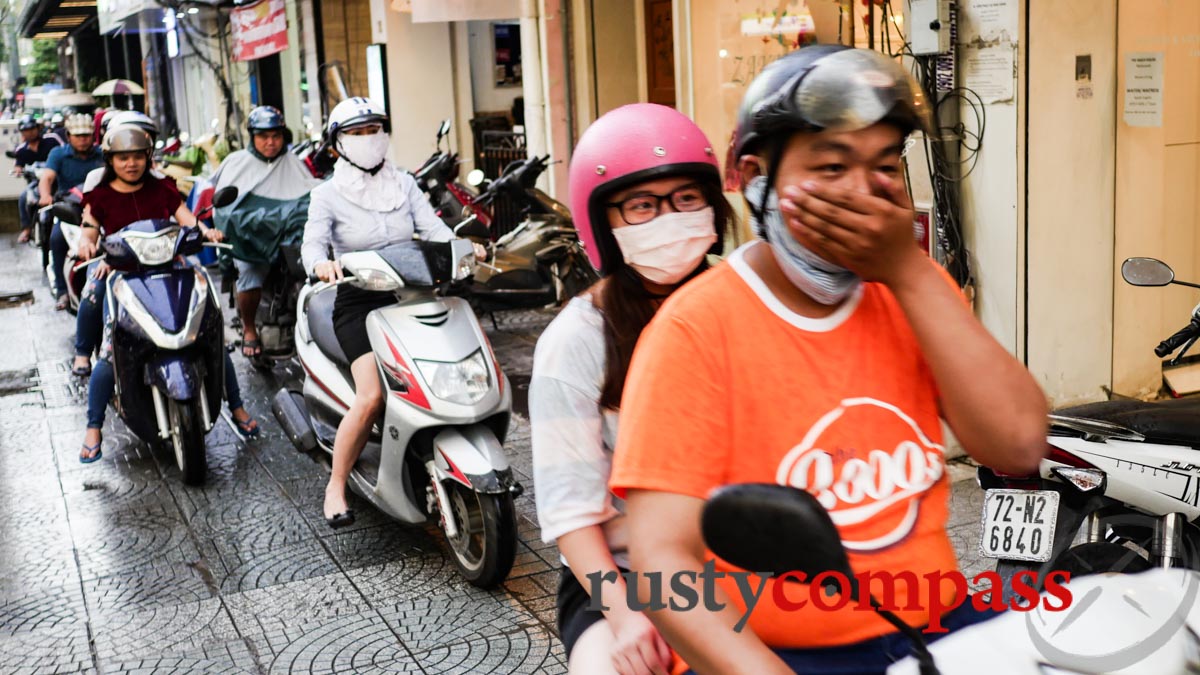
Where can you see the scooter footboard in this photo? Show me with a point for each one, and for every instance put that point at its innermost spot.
(473, 456)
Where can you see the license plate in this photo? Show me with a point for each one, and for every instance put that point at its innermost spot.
(1019, 524)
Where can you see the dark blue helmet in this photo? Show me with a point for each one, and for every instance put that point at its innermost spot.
(28, 122)
(265, 118)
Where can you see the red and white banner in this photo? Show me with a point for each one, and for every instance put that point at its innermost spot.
(259, 30)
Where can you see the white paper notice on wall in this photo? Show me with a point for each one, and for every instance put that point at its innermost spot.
(988, 71)
(987, 21)
(1144, 89)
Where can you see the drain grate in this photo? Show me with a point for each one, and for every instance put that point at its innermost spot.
(17, 381)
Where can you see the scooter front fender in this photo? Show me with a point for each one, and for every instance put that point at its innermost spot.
(176, 377)
(472, 456)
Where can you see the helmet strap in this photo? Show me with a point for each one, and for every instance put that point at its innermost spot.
(759, 211)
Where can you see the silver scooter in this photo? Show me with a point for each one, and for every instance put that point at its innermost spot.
(437, 451)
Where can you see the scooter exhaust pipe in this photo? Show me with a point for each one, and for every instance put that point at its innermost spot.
(294, 421)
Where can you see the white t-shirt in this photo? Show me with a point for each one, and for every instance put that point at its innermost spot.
(573, 439)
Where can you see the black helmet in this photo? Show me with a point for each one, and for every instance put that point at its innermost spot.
(828, 87)
(265, 118)
(28, 122)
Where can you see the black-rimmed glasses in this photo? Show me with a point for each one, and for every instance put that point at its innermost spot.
(643, 207)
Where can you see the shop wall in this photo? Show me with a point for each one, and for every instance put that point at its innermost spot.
(1071, 178)
(346, 29)
(1157, 200)
(421, 97)
(488, 97)
(616, 38)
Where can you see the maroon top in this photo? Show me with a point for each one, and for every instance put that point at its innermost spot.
(158, 198)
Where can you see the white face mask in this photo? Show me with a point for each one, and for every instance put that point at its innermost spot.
(668, 248)
(367, 152)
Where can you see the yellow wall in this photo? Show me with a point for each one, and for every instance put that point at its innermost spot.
(615, 46)
(1070, 187)
(1158, 188)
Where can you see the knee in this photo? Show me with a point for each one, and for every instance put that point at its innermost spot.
(371, 403)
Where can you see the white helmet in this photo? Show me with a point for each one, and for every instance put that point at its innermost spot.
(80, 124)
(56, 119)
(137, 119)
(355, 112)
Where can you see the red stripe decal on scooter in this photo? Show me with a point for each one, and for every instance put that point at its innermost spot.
(455, 472)
(415, 395)
(321, 384)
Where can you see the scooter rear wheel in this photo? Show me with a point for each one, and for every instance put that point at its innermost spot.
(187, 440)
(487, 538)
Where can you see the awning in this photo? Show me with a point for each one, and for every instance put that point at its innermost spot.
(54, 19)
(428, 11)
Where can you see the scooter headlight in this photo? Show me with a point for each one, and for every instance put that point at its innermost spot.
(374, 280)
(154, 250)
(464, 382)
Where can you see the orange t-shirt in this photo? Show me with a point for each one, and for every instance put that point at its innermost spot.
(727, 385)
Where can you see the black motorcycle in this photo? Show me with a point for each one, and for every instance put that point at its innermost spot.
(438, 179)
(540, 262)
(276, 317)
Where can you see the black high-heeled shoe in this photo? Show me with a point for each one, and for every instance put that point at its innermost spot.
(342, 519)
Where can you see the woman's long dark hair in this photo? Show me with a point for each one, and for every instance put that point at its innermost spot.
(627, 306)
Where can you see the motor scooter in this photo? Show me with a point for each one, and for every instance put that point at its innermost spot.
(438, 179)
(538, 263)
(74, 272)
(437, 451)
(168, 346)
(1143, 624)
(1119, 489)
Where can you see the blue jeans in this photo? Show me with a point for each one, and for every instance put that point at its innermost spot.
(58, 256)
(104, 382)
(23, 209)
(89, 322)
(872, 657)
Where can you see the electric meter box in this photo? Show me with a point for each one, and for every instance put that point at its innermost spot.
(929, 26)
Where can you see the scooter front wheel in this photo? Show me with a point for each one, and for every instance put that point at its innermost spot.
(486, 542)
(187, 440)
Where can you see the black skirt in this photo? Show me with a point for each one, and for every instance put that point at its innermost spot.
(575, 615)
(350, 310)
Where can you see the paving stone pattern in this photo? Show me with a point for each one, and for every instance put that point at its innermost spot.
(117, 567)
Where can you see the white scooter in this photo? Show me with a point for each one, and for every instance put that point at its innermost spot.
(437, 451)
(1135, 624)
(1119, 490)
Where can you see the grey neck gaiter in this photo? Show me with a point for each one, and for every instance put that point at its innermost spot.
(819, 279)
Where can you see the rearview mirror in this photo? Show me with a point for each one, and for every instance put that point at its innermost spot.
(766, 527)
(1146, 272)
(475, 178)
(66, 213)
(444, 129)
(224, 197)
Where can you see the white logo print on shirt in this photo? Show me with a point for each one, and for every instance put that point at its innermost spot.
(865, 486)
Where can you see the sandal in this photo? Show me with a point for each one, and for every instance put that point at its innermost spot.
(88, 450)
(251, 348)
(63, 302)
(248, 427)
(24, 237)
(82, 371)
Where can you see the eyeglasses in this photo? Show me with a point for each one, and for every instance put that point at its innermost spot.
(644, 207)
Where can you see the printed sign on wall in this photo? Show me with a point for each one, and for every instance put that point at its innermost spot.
(259, 30)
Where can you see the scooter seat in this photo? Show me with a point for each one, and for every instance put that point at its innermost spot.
(320, 325)
(1172, 422)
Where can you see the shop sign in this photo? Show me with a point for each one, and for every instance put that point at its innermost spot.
(259, 30)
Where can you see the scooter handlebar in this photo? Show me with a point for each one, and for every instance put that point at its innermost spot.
(1178, 339)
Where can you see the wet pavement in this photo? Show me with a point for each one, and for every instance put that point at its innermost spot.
(117, 567)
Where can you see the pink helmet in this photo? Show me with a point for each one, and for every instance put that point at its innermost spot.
(626, 146)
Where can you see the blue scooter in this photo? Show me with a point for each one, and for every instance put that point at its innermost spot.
(168, 344)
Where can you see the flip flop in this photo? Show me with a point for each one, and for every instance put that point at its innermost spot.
(249, 427)
(251, 347)
(89, 449)
(62, 303)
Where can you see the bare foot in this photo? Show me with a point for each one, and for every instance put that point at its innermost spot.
(247, 424)
(23, 238)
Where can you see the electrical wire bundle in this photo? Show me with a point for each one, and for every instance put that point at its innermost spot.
(951, 150)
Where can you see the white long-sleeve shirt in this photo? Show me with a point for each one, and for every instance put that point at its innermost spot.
(573, 439)
(334, 220)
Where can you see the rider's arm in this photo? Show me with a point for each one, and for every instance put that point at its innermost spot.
(185, 217)
(89, 234)
(991, 401)
(318, 231)
(44, 183)
(425, 219)
(664, 536)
